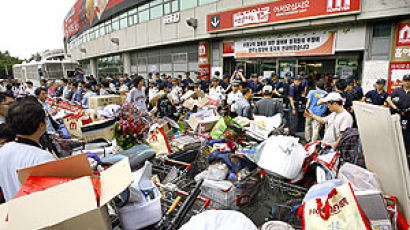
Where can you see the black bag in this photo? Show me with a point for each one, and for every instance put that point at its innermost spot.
(165, 107)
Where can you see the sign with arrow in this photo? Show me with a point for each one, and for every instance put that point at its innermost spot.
(215, 21)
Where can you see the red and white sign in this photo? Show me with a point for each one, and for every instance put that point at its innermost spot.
(403, 36)
(397, 71)
(310, 44)
(278, 12)
(204, 66)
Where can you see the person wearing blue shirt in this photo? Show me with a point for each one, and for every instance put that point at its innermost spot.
(243, 105)
(88, 94)
(78, 94)
(79, 73)
(357, 88)
(255, 85)
(377, 96)
(312, 127)
(169, 82)
(187, 79)
(224, 83)
(205, 83)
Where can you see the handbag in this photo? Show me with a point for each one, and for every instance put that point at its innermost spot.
(338, 210)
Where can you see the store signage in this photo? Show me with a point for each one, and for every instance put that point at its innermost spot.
(172, 18)
(400, 56)
(320, 43)
(278, 12)
(229, 49)
(204, 66)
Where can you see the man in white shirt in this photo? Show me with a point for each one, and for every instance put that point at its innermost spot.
(338, 121)
(30, 88)
(123, 86)
(234, 97)
(216, 91)
(176, 91)
(152, 91)
(5, 101)
(27, 119)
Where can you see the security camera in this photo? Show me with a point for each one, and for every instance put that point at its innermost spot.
(192, 22)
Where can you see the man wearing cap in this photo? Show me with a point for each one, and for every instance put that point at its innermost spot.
(357, 88)
(295, 99)
(238, 75)
(197, 85)
(123, 86)
(224, 83)
(216, 91)
(268, 106)
(152, 91)
(205, 83)
(350, 95)
(312, 127)
(176, 91)
(377, 96)
(255, 85)
(187, 79)
(244, 105)
(402, 96)
(274, 82)
(233, 97)
(337, 122)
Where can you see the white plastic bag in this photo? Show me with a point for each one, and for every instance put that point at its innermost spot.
(359, 178)
(219, 220)
(281, 155)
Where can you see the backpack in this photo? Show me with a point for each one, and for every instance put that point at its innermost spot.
(165, 107)
(350, 147)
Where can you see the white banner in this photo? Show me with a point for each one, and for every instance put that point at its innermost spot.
(309, 44)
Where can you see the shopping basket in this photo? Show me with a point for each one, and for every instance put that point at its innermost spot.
(236, 196)
(170, 171)
(284, 199)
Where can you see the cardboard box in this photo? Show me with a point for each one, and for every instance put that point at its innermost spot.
(206, 118)
(191, 103)
(98, 130)
(71, 205)
(104, 100)
(193, 94)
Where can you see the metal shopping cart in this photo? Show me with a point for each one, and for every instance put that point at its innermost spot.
(173, 172)
(179, 206)
(282, 199)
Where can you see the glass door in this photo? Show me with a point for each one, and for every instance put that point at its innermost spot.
(287, 66)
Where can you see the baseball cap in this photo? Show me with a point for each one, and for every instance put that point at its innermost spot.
(406, 77)
(350, 81)
(215, 78)
(152, 81)
(335, 77)
(254, 75)
(267, 89)
(297, 77)
(332, 97)
(197, 81)
(381, 81)
(236, 83)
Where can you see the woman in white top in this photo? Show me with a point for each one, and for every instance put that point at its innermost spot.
(216, 91)
(137, 95)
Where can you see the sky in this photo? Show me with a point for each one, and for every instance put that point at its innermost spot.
(31, 26)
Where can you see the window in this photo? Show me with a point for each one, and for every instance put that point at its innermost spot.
(187, 4)
(143, 7)
(156, 12)
(102, 30)
(203, 2)
(108, 27)
(135, 18)
(179, 58)
(123, 21)
(175, 6)
(381, 30)
(131, 17)
(143, 16)
(167, 8)
(115, 24)
(155, 2)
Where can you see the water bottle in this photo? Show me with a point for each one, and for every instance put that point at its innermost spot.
(64, 130)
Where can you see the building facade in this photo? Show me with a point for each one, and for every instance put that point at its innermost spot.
(366, 38)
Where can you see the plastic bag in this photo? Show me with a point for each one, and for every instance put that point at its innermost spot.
(159, 141)
(359, 178)
(219, 129)
(281, 155)
(219, 220)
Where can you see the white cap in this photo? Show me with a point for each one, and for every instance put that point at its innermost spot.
(333, 97)
(267, 89)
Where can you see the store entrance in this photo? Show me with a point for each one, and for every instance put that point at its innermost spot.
(317, 68)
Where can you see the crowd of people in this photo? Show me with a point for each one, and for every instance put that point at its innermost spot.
(25, 116)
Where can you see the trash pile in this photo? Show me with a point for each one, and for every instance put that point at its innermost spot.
(120, 168)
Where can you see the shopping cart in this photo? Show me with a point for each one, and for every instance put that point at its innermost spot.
(282, 199)
(239, 194)
(178, 206)
(173, 172)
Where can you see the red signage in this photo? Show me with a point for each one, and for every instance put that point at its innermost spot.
(229, 49)
(397, 71)
(204, 66)
(279, 11)
(403, 35)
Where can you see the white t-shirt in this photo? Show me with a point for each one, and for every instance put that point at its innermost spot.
(152, 92)
(14, 156)
(30, 91)
(337, 123)
(233, 98)
(124, 88)
(217, 92)
(138, 97)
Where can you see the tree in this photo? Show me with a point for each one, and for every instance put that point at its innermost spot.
(7, 61)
